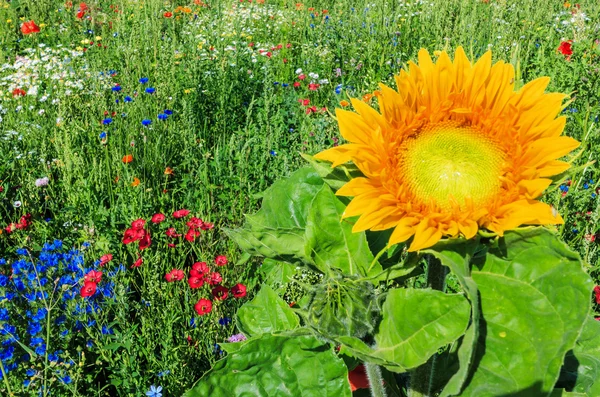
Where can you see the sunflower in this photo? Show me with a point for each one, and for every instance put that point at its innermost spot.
(455, 149)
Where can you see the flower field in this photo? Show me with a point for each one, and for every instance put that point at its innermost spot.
(195, 192)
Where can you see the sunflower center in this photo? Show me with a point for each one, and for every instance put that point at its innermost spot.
(448, 164)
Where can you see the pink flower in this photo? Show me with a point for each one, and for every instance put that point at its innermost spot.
(180, 213)
(157, 218)
(221, 260)
(104, 259)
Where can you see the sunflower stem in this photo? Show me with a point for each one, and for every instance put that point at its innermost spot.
(379, 254)
(375, 380)
(421, 379)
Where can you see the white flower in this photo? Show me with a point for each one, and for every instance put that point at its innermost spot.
(17, 204)
(298, 71)
(42, 182)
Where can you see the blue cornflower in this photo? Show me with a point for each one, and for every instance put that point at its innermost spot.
(128, 99)
(36, 341)
(312, 25)
(66, 379)
(117, 88)
(53, 357)
(146, 122)
(7, 354)
(585, 185)
(168, 112)
(224, 321)
(163, 116)
(102, 135)
(30, 372)
(89, 344)
(163, 373)
(273, 153)
(3, 280)
(34, 328)
(85, 244)
(155, 391)
(40, 350)
(193, 323)
(6, 329)
(21, 251)
(107, 330)
(276, 83)
(144, 80)
(64, 333)
(3, 314)
(107, 121)
(591, 181)
(150, 90)
(338, 89)
(26, 382)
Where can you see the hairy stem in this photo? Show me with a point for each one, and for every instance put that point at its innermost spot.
(375, 380)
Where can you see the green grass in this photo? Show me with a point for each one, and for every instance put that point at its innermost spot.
(234, 130)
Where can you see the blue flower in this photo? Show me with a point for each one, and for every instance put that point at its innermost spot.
(34, 329)
(585, 185)
(3, 314)
(102, 135)
(117, 88)
(168, 112)
(66, 379)
(144, 80)
(128, 99)
(107, 121)
(30, 372)
(149, 90)
(224, 321)
(107, 331)
(273, 153)
(89, 344)
(285, 85)
(163, 116)
(163, 373)
(155, 391)
(146, 122)
(40, 350)
(338, 89)
(53, 357)
(21, 251)
(64, 333)
(593, 195)
(276, 83)
(26, 382)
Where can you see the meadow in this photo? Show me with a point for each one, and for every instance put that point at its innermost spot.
(134, 134)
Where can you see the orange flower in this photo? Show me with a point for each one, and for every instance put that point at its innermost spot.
(128, 158)
(367, 97)
(135, 182)
(344, 103)
(186, 10)
(168, 171)
(116, 178)
(299, 6)
(29, 27)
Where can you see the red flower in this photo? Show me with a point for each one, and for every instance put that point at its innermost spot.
(93, 276)
(138, 224)
(104, 259)
(313, 86)
(180, 213)
(565, 48)
(137, 263)
(168, 14)
(145, 241)
(221, 260)
(171, 232)
(17, 92)
(220, 293)
(302, 76)
(194, 223)
(203, 307)
(157, 218)
(88, 289)
(83, 7)
(296, 84)
(29, 27)
(195, 282)
(80, 14)
(132, 235)
(174, 275)
(597, 294)
(304, 102)
(191, 234)
(128, 158)
(214, 278)
(238, 290)
(199, 269)
(207, 226)
(358, 378)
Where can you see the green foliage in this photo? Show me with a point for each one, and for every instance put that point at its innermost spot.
(277, 366)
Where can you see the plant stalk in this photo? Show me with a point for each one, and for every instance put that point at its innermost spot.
(375, 380)
(421, 379)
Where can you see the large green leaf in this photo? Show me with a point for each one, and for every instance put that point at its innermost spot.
(415, 324)
(456, 254)
(277, 274)
(287, 245)
(330, 240)
(581, 371)
(266, 313)
(277, 366)
(534, 301)
(334, 177)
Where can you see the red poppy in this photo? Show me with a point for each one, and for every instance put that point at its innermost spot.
(597, 294)
(214, 278)
(83, 7)
(180, 213)
(93, 276)
(80, 14)
(195, 282)
(221, 260)
(304, 102)
(138, 224)
(137, 263)
(168, 14)
(199, 269)
(565, 48)
(238, 290)
(104, 259)
(145, 241)
(88, 289)
(296, 84)
(358, 378)
(158, 218)
(29, 27)
(171, 232)
(191, 234)
(128, 158)
(302, 76)
(203, 306)
(17, 92)
(220, 293)
(313, 86)
(132, 235)
(174, 275)
(207, 226)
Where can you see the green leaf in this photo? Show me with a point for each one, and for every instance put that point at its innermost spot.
(581, 371)
(330, 240)
(266, 313)
(416, 323)
(277, 366)
(456, 254)
(277, 273)
(334, 177)
(534, 301)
